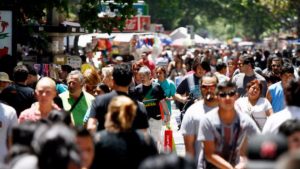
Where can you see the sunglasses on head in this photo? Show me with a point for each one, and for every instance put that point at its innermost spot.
(229, 93)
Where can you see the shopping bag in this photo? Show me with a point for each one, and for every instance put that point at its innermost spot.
(168, 140)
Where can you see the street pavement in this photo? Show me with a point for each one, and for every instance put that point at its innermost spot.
(177, 134)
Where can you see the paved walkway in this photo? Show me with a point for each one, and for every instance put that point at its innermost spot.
(177, 134)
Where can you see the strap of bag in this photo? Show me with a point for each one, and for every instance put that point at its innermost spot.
(191, 81)
(76, 102)
(148, 95)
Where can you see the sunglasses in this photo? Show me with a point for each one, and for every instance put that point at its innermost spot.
(230, 93)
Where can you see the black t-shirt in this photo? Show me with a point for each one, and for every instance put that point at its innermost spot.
(189, 84)
(18, 96)
(151, 100)
(122, 150)
(100, 106)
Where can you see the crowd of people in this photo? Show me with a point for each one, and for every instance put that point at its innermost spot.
(238, 109)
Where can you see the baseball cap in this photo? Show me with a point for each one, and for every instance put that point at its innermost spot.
(4, 77)
(263, 150)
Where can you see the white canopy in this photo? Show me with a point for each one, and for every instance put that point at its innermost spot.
(179, 33)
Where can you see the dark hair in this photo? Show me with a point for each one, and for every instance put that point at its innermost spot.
(167, 161)
(122, 74)
(292, 93)
(287, 68)
(220, 66)
(225, 84)
(289, 127)
(56, 116)
(56, 147)
(104, 87)
(162, 68)
(201, 62)
(23, 134)
(253, 82)
(66, 68)
(82, 132)
(248, 60)
(31, 70)
(20, 73)
(83, 58)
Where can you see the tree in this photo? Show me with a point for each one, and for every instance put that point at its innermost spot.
(89, 10)
(165, 12)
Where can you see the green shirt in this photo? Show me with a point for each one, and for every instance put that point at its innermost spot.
(80, 109)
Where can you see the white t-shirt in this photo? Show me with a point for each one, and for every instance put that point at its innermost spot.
(256, 112)
(190, 126)
(8, 119)
(275, 120)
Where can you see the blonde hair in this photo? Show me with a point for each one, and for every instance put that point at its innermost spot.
(91, 77)
(121, 113)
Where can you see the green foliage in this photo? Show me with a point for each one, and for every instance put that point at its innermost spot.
(166, 12)
(88, 15)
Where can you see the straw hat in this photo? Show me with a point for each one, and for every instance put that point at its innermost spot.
(4, 77)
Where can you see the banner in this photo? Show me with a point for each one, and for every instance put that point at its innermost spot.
(5, 32)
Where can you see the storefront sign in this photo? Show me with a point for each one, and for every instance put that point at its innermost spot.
(5, 32)
(137, 24)
(74, 61)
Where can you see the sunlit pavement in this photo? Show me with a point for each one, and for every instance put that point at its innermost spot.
(177, 134)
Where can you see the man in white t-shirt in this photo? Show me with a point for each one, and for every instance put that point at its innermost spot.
(192, 118)
(292, 111)
(8, 119)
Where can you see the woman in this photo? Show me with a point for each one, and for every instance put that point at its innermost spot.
(118, 146)
(259, 108)
(178, 71)
(91, 80)
(167, 85)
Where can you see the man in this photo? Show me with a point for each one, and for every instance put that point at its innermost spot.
(4, 80)
(33, 77)
(75, 100)
(247, 74)
(291, 130)
(194, 114)
(291, 111)
(145, 61)
(275, 93)
(190, 84)
(224, 131)
(18, 95)
(188, 90)
(122, 77)
(221, 69)
(86, 145)
(153, 97)
(45, 93)
(274, 69)
(8, 119)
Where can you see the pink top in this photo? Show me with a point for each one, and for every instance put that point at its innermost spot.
(33, 114)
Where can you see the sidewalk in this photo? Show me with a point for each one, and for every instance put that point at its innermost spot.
(177, 134)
